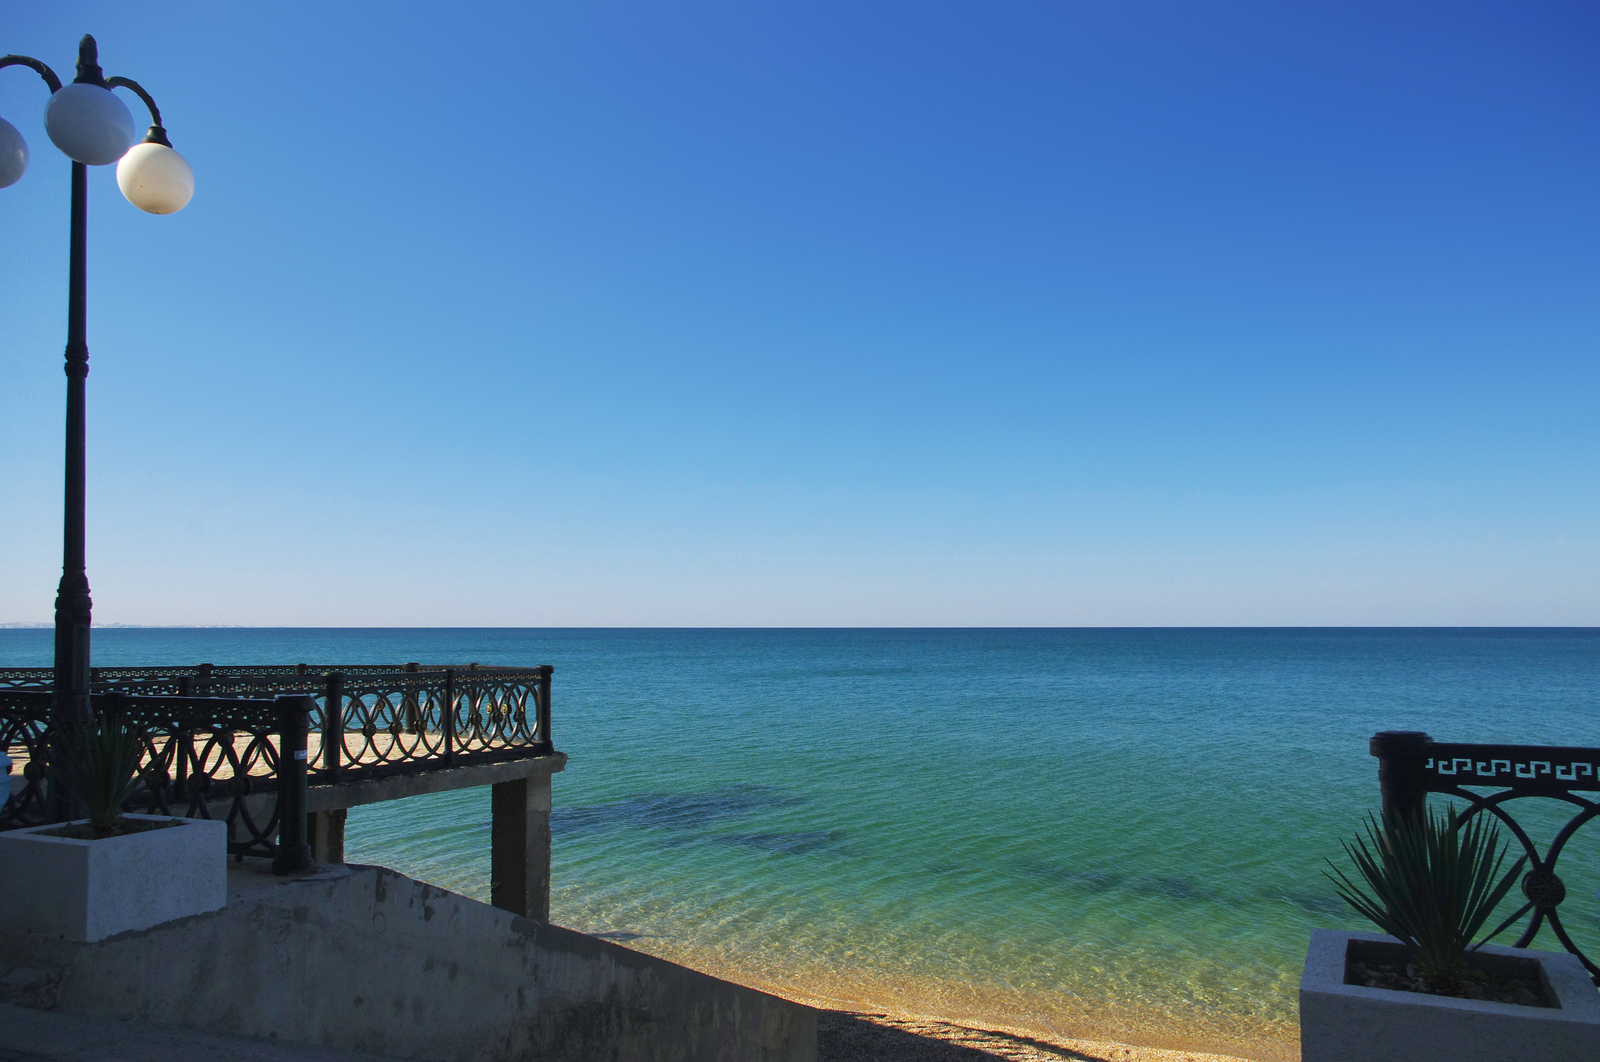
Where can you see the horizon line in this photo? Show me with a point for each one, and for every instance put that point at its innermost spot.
(836, 627)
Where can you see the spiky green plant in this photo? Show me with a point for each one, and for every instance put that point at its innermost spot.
(1435, 880)
(98, 762)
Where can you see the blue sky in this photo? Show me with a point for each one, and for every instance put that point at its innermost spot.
(866, 313)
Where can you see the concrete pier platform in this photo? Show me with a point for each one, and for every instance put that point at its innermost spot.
(56, 1036)
(366, 960)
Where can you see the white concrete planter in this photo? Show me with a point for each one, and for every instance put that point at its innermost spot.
(1353, 1023)
(89, 890)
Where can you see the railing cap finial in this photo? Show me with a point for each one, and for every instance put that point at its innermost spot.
(1399, 744)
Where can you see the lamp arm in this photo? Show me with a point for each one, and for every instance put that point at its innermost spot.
(156, 135)
(39, 68)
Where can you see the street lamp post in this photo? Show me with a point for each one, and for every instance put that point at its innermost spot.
(92, 127)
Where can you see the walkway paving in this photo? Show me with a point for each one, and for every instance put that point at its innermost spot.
(55, 1036)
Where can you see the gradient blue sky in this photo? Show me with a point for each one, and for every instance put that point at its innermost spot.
(865, 313)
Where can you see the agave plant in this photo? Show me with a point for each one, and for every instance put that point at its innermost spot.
(1435, 880)
(98, 762)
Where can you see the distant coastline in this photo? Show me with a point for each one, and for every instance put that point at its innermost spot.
(136, 626)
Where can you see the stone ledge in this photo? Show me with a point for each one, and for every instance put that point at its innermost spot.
(433, 780)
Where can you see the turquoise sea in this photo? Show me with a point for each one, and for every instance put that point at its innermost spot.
(1112, 834)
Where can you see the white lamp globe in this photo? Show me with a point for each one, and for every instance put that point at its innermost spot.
(13, 154)
(155, 178)
(89, 124)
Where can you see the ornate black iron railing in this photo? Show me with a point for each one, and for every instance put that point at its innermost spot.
(199, 753)
(217, 741)
(369, 721)
(1411, 765)
(24, 729)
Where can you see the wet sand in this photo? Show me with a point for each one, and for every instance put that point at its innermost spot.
(863, 1019)
(844, 1036)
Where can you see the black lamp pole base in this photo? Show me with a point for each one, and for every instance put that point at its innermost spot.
(72, 651)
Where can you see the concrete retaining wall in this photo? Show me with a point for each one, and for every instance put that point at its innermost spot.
(369, 960)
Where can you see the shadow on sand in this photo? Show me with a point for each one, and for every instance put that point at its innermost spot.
(847, 1037)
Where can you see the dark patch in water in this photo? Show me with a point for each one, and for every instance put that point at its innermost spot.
(1174, 888)
(1103, 881)
(1073, 877)
(679, 840)
(672, 811)
(1097, 880)
(1323, 905)
(617, 934)
(799, 843)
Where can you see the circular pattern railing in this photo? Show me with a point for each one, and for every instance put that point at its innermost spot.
(1412, 765)
(370, 720)
(213, 747)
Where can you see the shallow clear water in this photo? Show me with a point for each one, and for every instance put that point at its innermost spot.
(1114, 833)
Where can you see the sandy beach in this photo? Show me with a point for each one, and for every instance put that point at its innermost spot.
(862, 1019)
(845, 1036)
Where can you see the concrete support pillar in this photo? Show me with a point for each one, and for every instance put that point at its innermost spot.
(325, 832)
(520, 847)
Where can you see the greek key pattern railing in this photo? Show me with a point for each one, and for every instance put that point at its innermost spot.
(200, 754)
(370, 720)
(1411, 765)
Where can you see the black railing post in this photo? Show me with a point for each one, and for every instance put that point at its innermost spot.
(292, 854)
(182, 743)
(1402, 777)
(333, 724)
(411, 709)
(544, 708)
(448, 723)
(408, 704)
